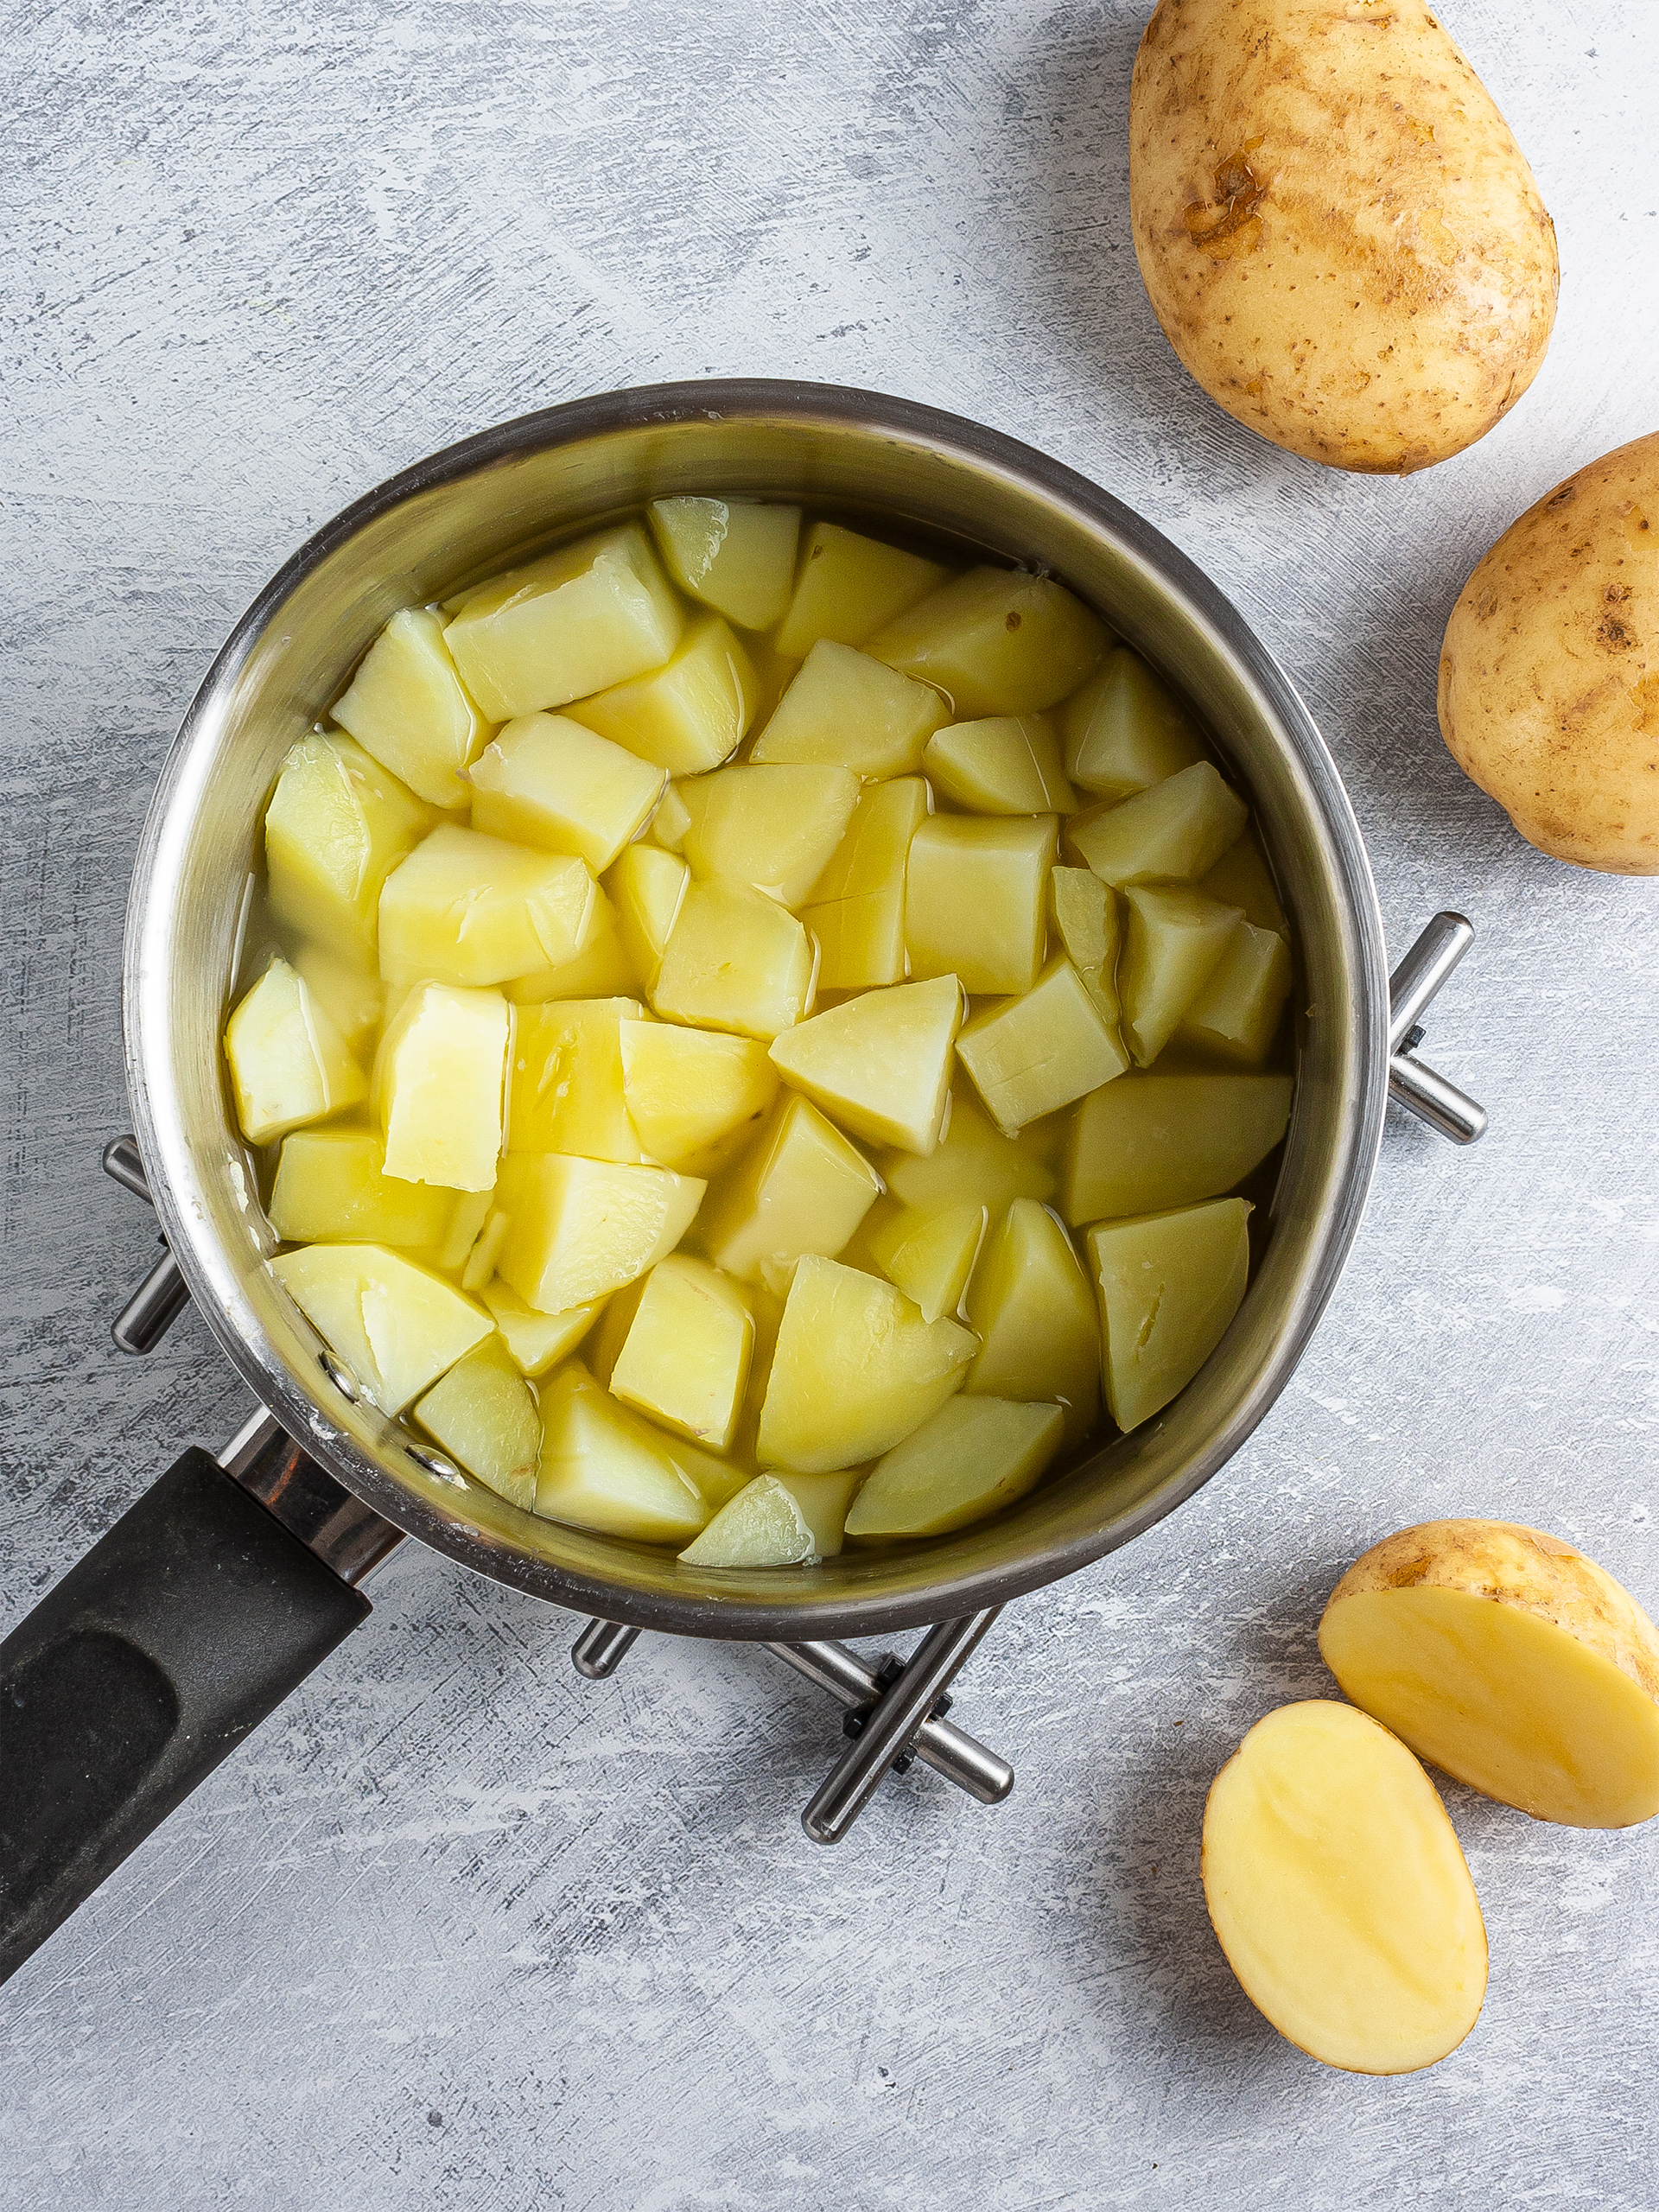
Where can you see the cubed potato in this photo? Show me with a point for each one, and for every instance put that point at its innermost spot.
(337, 825)
(582, 1227)
(1170, 1284)
(776, 828)
(565, 1088)
(646, 886)
(396, 1326)
(844, 709)
(854, 1369)
(694, 1098)
(671, 820)
(484, 1414)
(736, 960)
(1172, 944)
(967, 1461)
(577, 621)
(929, 1256)
(823, 1500)
(288, 1062)
(408, 706)
(547, 781)
(847, 586)
(332, 1188)
(1236, 1015)
(1032, 1309)
(1126, 729)
(478, 1267)
(762, 1526)
(1083, 913)
(1007, 764)
(348, 990)
(438, 1086)
(690, 714)
(1153, 1141)
(880, 1064)
(537, 1341)
(1173, 832)
(801, 1187)
(995, 641)
(1030, 1056)
(857, 908)
(733, 554)
(1241, 878)
(975, 1165)
(975, 899)
(470, 1217)
(603, 1468)
(685, 1358)
(468, 909)
(602, 969)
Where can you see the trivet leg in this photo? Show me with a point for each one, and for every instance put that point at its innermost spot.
(601, 1647)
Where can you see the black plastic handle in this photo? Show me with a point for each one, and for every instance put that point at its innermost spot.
(180, 1630)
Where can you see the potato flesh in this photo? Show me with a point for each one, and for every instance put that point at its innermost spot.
(408, 706)
(1170, 1284)
(537, 1341)
(1173, 942)
(349, 992)
(762, 1526)
(879, 1065)
(970, 1460)
(929, 1256)
(694, 1098)
(484, 1414)
(801, 1188)
(1125, 729)
(1147, 1143)
(645, 886)
(847, 586)
(471, 910)
(1030, 1056)
(844, 709)
(732, 555)
(671, 820)
(337, 825)
(1236, 1015)
(1241, 878)
(396, 1325)
(1005, 764)
(566, 1087)
(546, 781)
(438, 1086)
(582, 1227)
(288, 1062)
(685, 1358)
(601, 969)
(975, 899)
(974, 1164)
(1173, 832)
(995, 641)
(735, 960)
(689, 715)
(774, 828)
(857, 908)
(1034, 1311)
(602, 1467)
(1083, 912)
(332, 1188)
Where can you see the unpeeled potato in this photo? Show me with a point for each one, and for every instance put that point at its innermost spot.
(1339, 235)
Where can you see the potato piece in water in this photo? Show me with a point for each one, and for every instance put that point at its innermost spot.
(685, 1357)
(996, 641)
(694, 1098)
(970, 1459)
(1236, 1015)
(688, 715)
(735, 960)
(484, 1414)
(547, 781)
(349, 992)
(929, 1256)
(337, 825)
(580, 1229)
(1171, 832)
(288, 1062)
(671, 820)
(1007, 764)
(847, 586)
(332, 1188)
(645, 886)
(602, 969)
(1241, 878)
(397, 1326)
(1149, 1142)
(1509, 1659)
(762, 1526)
(974, 1164)
(438, 1086)
(1030, 1056)
(1034, 1311)
(775, 827)
(844, 709)
(1170, 1284)
(1338, 1891)
(735, 556)
(1126, 729)
(602, 1467)
(465, 909)
(1084, 910)
(801, 1188)
(1174, 943)
(408, 706)
(975, 899)
(880, 1064)
(857, 909)
(565, 1090)
(537, 1341)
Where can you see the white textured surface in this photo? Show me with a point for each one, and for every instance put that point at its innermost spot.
(457, 1929)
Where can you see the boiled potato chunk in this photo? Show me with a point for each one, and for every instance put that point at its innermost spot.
(588, 616)
(1236, 1015)
(288, 1062)
(565, 1090)
(537, 1341)
(685, 1358)
(1170, 1284)
(847, 586)
(975, 1165)
(332, 1188)
(880, 1064)
(689, 715)
(1031, 1056)
(1031, 1307)
(694, 1098)
(1171, 832)
(929, 1256)
(975, 899)
(1241, 878)
(970, 1459)
(776, 828)
(1126, 729)
(823, 1500)
(484, 1414)
(1509, 1659)
(602, 1467)
(844, 709)
(995, 641)
(762, 1526)
(734, 555)
(408, 706)
(397, 1326)
(1007, 764)
(602, 969)
(735, 960)
(468, 909)
(1084, 910)
(802, 1187)
(337, 825)
(349, 992)
(857, 909)
(1149, 1142)
(1173, 944)
(671, 820)
(545, 780)
(1338, 1891)
(645, 885)
(855, 1368)
(438, 1086)
(581, 1228)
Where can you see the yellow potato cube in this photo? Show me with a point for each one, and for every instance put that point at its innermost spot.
(929, 1256)
(775, 827)
(337, 825)
(734, 555)
(694, 1098)
(736, 960)
(408, 708)
(1083, 912)
(547, 781)
(484, 1414)
(1032, 1309)
(845, 709)
(689, 715)
(972, 1458)
(350, 993)
(646, 886)
(975, 899)
(857, 911)
(855, 1368)
(1150, 1142)
(580, 1229)
(590, 616)
(1169, 1283)
(1171, 832)
(1009, 764)
(1173, 944)
(685, 1358)
(823, 1500)
(332, 1188)
(537, 1341)
(1237, 1014)
(478, 1266)
(468, 909)
(438, 1086)
(762, 1526)
(1241, 878)
(1126, 729)
(1031, 1056)
(880, 1064)
(288, 1062)
(847, 586)
(975, 1165)
(565, 1085)
(800, 1188)
(995, 641)
(603, 1468)
(671, 820)
(397, 1326)
(473, 1211)
(602, 969)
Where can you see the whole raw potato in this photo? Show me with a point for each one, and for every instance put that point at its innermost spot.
(1549, 673)
(1340, 237)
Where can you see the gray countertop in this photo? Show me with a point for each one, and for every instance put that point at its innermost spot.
(457, 1928)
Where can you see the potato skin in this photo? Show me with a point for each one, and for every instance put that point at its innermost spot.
(1337, 231)
(1549, 672)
